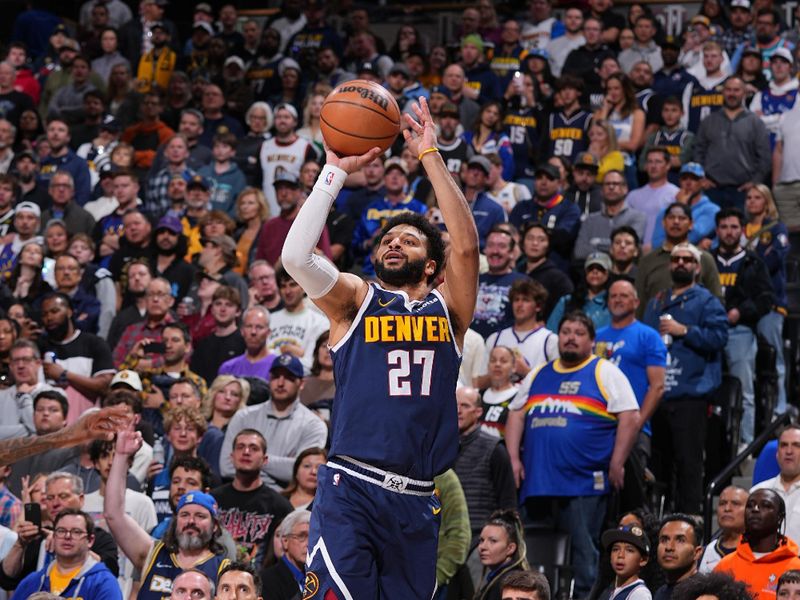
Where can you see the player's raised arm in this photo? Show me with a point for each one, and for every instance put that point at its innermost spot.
(334, 292)
(460, 288)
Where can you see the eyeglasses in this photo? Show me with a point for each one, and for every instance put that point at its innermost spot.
(682, 259)
(157, 295)
(300, 537)
(62, 533)
(23, 360)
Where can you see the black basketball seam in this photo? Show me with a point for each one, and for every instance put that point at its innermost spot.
(335, 101)
(353, 135)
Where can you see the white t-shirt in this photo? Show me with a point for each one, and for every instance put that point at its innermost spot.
(788, 132)
(301, 328)
(473, 358)
(510, 195)
(140, 508)
(538, 346)
(277, 156)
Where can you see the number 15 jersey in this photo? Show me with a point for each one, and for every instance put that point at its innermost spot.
(396, 370)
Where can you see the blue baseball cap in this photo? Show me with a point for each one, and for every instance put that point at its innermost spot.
(170, 223)
(199, 181)
(440, 89)
(201, 499)
(288, 362)
(693, 168)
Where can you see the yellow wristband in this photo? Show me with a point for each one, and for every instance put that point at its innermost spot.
(428, 151)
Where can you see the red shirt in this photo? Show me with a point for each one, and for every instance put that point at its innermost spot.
(273, 235)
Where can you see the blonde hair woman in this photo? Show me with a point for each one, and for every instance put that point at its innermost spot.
(226, 395)
(603, 145)
(252, 211)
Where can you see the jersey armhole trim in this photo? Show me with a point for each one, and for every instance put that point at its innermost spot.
(361, 310)
(438, 294)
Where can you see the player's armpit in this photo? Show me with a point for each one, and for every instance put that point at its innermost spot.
(341, 304)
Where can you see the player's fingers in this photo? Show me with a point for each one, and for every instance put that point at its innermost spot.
(426, 111)
(412, 123)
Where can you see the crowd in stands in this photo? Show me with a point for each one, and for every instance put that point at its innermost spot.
(634, 194)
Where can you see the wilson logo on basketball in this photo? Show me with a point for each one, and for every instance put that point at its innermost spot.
(366, 95)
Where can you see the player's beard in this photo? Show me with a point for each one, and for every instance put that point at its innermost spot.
(411, 272)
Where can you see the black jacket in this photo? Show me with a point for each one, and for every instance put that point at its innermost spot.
(279, 583)
(751, 293)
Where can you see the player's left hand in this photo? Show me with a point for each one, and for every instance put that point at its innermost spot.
(350, 164)
(616, 476)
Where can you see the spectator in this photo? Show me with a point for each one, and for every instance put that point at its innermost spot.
(108, 56)
(256, 359)
(137, 277)
(672, 136)
(226, 176)
(15, 102)
(541, 27)
(785, 167)
(482, 83)
(248, 151)
(730, 519)
(698, 327)
(559, 48)
(7, 134)
(537, 265)
(784, 484)
(652, 276)
(748, 297)
(16, 401)
(226, 395)
(595, 231)
(62, 158)
(584, 62)
(286, 576)
(702, 96)
(644, 47)
(654, 197)
(26, 226)
(238, 580)
(285, 152)
(296, 327)
(303, 487)
(680, 545)
(736, 161)
(486, 212)
(217, 259)
(585, 193)
(629, 551)
(264, 286)
(167, 259)
(703, 210)
(779, 97)
(525, 585)
(63, 206)
(612, 439)
(566, 132)
(248, 498)
(604, 149)
(137, 336)
(226, 342)
(25, 81)
(502, 550)
(768, 238)
(638, 352)
(68, 272)
(149, 133)
(454, 82)
(290, 426)
(482, 465)
(93, 579)
(764, 515)
(590, 295)
(487, 137)
(191, 126)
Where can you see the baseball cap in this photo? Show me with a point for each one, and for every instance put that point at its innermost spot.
(400, 68)
(198, 181)
(69, 44)
(474, 39)
(201, 499)
(30, 207)
(129, 378)
(235, 60)
(158, 25)
(368, 67)
(586, 160)
(221, 241)
(290, 363)
(481, 162)
(288, 63)
(701, 20)
(287, 107)
(751, 51)
(110, 124)
(630, 534)
(440, 89)
(107, 170)
(395, 163)
(203, 7)
(745, 4)
(694, 169)
(30, 154)
(286, 177)
(686, 247)
(170, 223)
(783, 53)
(203, 25)
(600, 259)
(550, 170)
(449, 110)
(60, 28)
(539, 53)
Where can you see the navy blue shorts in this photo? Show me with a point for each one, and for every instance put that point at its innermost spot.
(367, 541)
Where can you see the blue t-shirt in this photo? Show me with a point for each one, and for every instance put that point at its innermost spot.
(633, 349)
(493, 310)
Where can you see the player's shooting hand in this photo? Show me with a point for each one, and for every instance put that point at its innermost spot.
(103, 424)
(350, 164)
(420, 133)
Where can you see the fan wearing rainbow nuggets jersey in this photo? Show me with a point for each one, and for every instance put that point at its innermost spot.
(576, 419)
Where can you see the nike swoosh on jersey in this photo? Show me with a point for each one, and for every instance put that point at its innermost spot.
(382, 305)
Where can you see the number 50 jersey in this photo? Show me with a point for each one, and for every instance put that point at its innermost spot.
(396, 370)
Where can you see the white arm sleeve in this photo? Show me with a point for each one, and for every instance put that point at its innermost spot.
(315, 274)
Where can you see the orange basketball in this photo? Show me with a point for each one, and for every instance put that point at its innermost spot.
(357, 116)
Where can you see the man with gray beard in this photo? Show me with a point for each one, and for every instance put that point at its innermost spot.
(193, 539)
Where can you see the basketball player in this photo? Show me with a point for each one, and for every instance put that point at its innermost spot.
(396, 352)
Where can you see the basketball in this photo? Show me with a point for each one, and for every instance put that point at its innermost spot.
(357, 116)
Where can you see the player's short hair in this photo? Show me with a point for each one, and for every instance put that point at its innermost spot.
(435, 244)
(578, 316)
(527, 581)
(244, 568)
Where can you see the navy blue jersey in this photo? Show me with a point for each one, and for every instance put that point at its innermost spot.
(396, 371)
(702, 103)
(523, 126)
(162, 569)
(568, 136)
